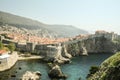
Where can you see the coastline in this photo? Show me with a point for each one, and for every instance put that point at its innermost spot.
(8, 63)
(12, 60)
(29, 58)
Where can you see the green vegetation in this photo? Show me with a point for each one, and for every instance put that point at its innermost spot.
(1, 45)
(93, 69)
(6, 48)
(116, 41)
(11, 47)
(109, 69)
(6, 18)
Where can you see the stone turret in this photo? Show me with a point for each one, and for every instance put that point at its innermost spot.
(30, 47)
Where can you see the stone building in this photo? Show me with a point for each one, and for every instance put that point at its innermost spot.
(110, 36)
(45, 49)
(30, 47)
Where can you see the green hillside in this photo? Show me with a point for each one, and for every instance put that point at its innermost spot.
(108, 70)
(18, 21)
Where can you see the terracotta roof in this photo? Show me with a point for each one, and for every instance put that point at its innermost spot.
(20, 37)
(2, 51)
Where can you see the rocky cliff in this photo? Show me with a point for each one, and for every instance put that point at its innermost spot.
(108, 70)
(53, 53)
(97, 43)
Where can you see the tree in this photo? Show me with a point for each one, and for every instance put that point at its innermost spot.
(93, 69)
(11, 47)
(1, 45)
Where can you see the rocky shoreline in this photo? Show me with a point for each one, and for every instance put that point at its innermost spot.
(31, 75)
(56, 72)
(31, 57)
(20, 68)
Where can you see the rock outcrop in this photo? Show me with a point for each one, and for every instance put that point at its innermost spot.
(65, 52)
(31, 75)
(55, 55)
(59, 57)
(109, 69)
(56, 73)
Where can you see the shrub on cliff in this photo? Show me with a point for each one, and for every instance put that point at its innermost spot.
(109, 69)
(93, 69)
(1, 45)
(11, 47)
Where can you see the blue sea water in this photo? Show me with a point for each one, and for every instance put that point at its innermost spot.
(79, 68)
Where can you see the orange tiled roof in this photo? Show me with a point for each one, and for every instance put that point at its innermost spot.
(2, 51)
(18, 37)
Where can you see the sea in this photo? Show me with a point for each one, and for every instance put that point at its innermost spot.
(76, 70)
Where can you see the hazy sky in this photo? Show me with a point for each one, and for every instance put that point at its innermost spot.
(90, 15)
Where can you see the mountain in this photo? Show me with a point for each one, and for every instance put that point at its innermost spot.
(54, 30)
(66, 30)
(108, 70)
(18, 21)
